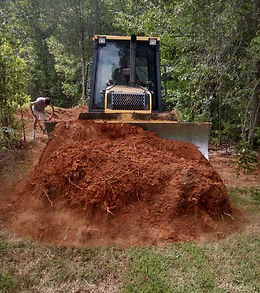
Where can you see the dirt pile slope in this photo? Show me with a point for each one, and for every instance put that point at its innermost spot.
(116, 183)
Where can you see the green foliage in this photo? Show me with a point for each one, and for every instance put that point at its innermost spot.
(208, 48)
(257, 137)
(9, 138)
(254, 48)
(247, 161)
(13, 80)
(68, 70)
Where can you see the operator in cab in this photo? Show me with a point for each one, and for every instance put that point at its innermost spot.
(118, 76)
(121, 75)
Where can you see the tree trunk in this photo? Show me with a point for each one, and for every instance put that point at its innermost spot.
(82, 29)
(21, 110)
(255, 107)
(255, 98)
(83, 68)
(95, 5)
(4, 117)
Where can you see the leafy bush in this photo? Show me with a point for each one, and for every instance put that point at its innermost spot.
(9, 138)
(247, 160)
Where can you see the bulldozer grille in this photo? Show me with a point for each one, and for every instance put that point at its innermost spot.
(129, 101)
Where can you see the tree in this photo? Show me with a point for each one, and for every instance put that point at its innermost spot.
(206, 47)
(67, 68)
(14, 71)
(13, 81)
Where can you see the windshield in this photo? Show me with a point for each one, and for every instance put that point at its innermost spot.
(113, 67)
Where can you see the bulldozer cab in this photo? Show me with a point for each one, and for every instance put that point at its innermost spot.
(126, 75)
(126, 88)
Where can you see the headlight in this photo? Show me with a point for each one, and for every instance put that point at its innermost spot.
(152, 41)
(101, 40)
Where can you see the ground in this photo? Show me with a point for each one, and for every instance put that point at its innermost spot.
(227, 265)
(225, 164)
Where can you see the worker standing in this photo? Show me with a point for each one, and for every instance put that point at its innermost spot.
(38, 111)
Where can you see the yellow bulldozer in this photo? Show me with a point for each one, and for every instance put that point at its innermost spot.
(126, 87)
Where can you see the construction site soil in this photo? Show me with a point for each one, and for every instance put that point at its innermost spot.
(103, 184)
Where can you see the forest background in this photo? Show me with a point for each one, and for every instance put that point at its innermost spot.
(210, 49)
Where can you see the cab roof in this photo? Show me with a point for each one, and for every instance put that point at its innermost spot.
(126, 38)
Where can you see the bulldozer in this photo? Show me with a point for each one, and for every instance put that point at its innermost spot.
(126, 87)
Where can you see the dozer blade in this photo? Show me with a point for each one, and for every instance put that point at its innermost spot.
(196, 133)
(162, 125)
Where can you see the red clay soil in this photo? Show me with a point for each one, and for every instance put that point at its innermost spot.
(102, 183)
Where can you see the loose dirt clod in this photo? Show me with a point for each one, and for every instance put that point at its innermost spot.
(102, 183)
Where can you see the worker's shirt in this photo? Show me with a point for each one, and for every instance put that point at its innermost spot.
(40, 105)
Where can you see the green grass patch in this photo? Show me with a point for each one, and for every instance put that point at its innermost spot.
(7, 283)
(182, 267)
(246, 198)
(256, 196)
(231, 265)
(146, 271)
(236, 263)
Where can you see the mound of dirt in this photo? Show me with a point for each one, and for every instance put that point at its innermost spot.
(102, 183)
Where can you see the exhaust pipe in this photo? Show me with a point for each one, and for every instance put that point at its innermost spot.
(132, 60)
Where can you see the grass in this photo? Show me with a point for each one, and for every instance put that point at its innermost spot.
(231, 265)
(247, 199)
